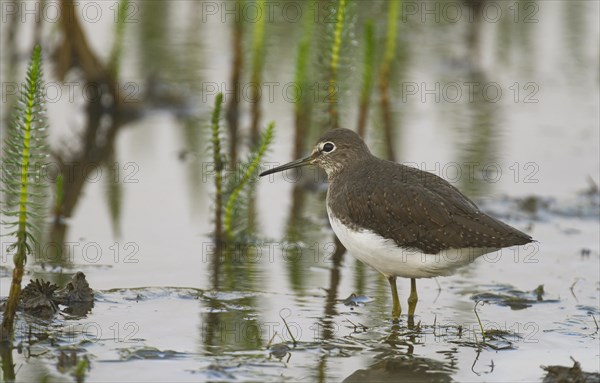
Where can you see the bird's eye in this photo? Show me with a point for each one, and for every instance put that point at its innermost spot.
(328, 147)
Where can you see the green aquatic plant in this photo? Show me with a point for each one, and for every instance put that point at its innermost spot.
(24, 155)
(390, 42)
(218, 164)
(79, 372)
(114, 193)
(258, 47)
(247, 170)
(231, 199)
(59, 194)
(384, 76)
(114, 187)
(295, 342)
(367, 79)
(258, 40)
(302, 110)
(479, 321)
(337, 36)
(332, 88)
(117, 48)
(237, 66)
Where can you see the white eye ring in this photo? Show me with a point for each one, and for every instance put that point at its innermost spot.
(328, 147)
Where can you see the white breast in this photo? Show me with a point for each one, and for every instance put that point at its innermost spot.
(389, 259)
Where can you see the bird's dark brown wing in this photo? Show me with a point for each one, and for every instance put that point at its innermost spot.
(417, 210)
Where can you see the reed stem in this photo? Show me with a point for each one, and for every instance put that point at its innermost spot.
(258, 45)
(233, 113)
(218, 163)
(367, 79)
(24, 148)
(302, 106)
(384, 78)
(253, 165)
(332, 87)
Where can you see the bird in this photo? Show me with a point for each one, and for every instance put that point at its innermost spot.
(400, 220)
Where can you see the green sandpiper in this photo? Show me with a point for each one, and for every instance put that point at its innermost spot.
(400, 220)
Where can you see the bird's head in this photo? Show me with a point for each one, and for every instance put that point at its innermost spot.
(334, 150)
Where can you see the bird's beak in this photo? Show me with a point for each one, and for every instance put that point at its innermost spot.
(289, 165)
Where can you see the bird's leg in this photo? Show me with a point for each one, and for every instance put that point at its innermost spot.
(412, 298)
(396, 310)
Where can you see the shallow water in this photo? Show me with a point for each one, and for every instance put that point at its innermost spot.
(158, 315)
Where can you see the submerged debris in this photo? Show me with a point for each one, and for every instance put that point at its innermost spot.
(36, 299)
(41, 298)
(76, 291)
(513, 298)
(76, 295)
(355, 300)
(561, 374)
(279, 351)
(539, 291)
(148, 353)
(217, 372)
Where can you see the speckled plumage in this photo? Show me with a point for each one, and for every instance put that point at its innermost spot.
(414, 208)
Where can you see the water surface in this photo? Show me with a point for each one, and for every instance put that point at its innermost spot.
(533, 152)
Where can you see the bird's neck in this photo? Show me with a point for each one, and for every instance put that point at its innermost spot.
(335, 170)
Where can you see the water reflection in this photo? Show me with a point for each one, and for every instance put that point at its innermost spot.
(228, 328)
(397, 360)
(574, 31)
(155, 53)
(480, 139)
(169, 60)
(106, 110)
(229, 321)
(396, 368)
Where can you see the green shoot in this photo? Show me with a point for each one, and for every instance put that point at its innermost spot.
(59, 195)
(479, 321)
(390, 43)
(337, 36)
(218, 163)
(225, 212)
(22, 183)
(384, 76)
(302, 58)
(80, 369)
(258, 41)
(367, 78)
(253, 163)
(302, 106)
(258, 45)
(288, 330)
(117, 48)
(237, 66)
(114, 194)
(334, 64)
